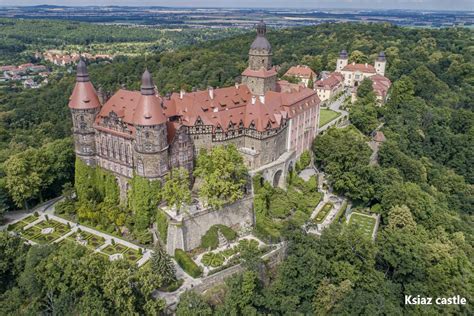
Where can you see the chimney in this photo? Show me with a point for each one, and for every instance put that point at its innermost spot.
(353, 63)
(211, 92)
(254, 99)
(262, 99)
(181, 93)
(365, 65)
(237, 85)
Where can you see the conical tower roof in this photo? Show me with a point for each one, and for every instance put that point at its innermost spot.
(149, 111)
(83, 96)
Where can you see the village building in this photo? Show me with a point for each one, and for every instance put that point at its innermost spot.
(354, 74)
(330, 86)
(270, 121)
(303, 73)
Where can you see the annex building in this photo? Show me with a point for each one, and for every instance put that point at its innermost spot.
(270, 121)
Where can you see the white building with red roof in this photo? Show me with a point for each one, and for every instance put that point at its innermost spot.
(303, 73)
(330, 86)
(354, 73)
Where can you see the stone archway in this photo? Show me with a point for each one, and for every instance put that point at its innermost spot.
(276, 178)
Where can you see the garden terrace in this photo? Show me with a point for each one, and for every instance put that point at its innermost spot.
(327, 116)
(39, 233)
(365, 222)
(89, 240)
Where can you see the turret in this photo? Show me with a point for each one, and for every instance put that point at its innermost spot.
(260, 76)
(84, 105)
(380, 64)
(151, 141)
(342, 60)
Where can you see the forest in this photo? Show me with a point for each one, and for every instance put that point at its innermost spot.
(422, 186)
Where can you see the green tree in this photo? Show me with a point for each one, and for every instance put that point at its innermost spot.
(176, 190)
(223, 173)
(192, 303)
(162, 265)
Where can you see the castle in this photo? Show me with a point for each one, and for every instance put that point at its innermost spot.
(270, 121)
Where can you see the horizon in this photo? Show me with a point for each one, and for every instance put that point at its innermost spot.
(377, 5)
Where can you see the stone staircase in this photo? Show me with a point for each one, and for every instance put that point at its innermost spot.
(222, 240)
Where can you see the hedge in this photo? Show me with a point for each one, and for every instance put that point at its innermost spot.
(162, 225)
(187, 263)
(341, 212)
(211, 240)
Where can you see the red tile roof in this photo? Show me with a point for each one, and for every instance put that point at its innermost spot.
(226, 109)
(84, 96)
(332, 81)
(261, 73)
(301, 71)
(359, 67)
(381, 85)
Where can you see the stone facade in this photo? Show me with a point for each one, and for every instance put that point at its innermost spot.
(185, 232)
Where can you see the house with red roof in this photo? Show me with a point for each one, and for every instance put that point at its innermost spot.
(303, 73)
(329, 86)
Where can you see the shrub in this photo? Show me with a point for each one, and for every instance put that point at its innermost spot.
(210, 238)
(247, 245)
(187, 263)
(213, 259)
(304, 161)
(173, 286)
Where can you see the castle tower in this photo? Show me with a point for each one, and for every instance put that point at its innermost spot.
(342, 60)
(260, 76)
(380, 64)
(151, 140)
(84, 105)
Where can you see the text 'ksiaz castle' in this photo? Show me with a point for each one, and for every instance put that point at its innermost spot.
(271, 122)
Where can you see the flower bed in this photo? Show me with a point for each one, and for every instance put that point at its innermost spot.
(323, 213)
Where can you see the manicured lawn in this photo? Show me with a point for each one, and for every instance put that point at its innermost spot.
(30, 219)
(327, 116)
(323, 213)
(365, 222)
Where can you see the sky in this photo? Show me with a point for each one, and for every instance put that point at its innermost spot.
(462, 5)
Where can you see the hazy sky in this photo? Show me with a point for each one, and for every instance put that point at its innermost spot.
(467, 5)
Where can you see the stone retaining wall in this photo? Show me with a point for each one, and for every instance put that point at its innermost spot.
(186, 234)
(271, 260)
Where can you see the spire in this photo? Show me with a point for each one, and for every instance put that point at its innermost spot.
(83, 96)
(381, 56)
(148, 111)
(261, 28)
(82, 75)
(147, 87)
(343, 54)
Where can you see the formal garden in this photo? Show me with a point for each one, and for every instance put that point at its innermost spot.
(323, 213)
(50, 230)
(365, 222)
